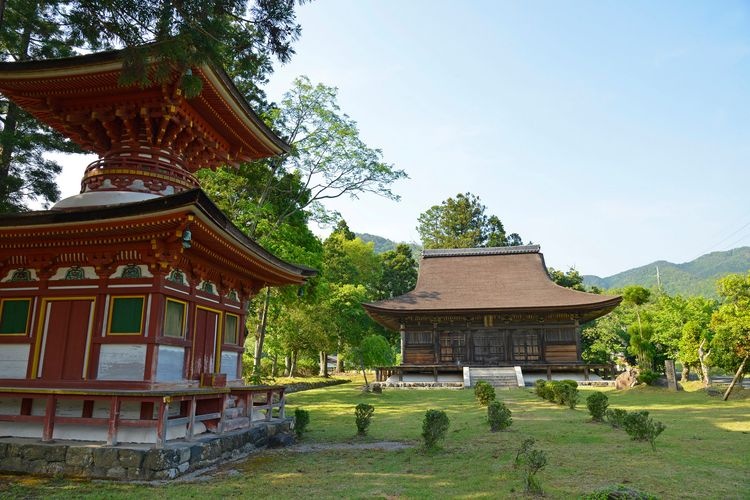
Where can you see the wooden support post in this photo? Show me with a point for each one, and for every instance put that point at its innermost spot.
(223, 403)
(49, 418)
(585, 373)
(400, 374)
(114, 419)
(161, 422)
(269, 404)
(549, 373)
(250, 407)
(191, 419)
(435, 373)
(282, 404)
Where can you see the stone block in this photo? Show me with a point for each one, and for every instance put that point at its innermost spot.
(48, 453)
(3, 450)
(211, 450)
(78, 456)
(105, 458)
(117, 472)
(158, 460)
(136, 473)
(236, 423)
(14, 464)
(165, 474)
(185, 453)
(130, 458)
(280, 440)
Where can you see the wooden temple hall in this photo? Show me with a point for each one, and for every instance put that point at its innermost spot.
(122, 309)
(480, 308)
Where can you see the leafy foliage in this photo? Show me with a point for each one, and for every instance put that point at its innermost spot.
(571, 279)
(499, 416)
(301, 421)
(434, 428)
(531, 461)
(597, 404)
(398, 272)
(362, 416)
(731, 323)
(462, 223)
(647, 377)
(616, 417)
(618, 491)
(640, 427)
(484, 392)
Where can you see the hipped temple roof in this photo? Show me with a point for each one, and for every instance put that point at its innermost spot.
(503, 279)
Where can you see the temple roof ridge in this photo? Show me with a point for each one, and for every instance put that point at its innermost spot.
(469, 252)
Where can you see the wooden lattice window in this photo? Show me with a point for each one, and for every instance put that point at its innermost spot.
(560, 336)
(126, 315)
(14, 316)
(418, 338)
(174, 318)
(231, 326)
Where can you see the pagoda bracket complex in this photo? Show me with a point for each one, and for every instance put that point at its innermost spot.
(484, 309)
(122, 309)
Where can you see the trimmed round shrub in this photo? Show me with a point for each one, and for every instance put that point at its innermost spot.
(484, 392)
(647, 377)
(498, 415)
(640, 427)
(362, 415)
(301, 419)
(570, 396)
(434, 427)
(616, 417)
(540, 388)
(597, 404)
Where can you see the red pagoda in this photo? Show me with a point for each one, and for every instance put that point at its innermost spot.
(122, 309)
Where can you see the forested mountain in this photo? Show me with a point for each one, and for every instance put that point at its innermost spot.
(697, 277)
(384, 244)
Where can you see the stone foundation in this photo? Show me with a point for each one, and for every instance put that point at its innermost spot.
(139, 462)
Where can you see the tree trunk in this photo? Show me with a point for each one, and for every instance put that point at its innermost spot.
(323, 364)
(685, 373)
(702, 355)
(740, 372)
(7, 139)
(362, 366)
(260, 335)
(339, 357)
(293, 366)
(288, 365)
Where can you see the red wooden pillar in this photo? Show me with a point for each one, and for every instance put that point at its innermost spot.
(114, 420)
(161, 422)
(191, 419)
(49, 418)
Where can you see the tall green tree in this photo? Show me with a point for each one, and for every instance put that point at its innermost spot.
(398, 272)
(461, 222)
(243, 36)
(731, 324)
(571, 279)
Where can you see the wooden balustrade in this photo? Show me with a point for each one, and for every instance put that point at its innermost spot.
(196, 405)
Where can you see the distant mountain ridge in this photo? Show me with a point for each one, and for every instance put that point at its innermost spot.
(384, 244)
(697, 277)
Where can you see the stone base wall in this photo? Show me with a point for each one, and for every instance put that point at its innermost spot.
(138, 462)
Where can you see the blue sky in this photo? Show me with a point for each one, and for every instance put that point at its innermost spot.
(611, 133)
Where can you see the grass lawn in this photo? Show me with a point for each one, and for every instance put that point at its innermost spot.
(703, 453)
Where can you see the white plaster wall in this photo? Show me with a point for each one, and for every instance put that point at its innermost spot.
(229, 364)
(122, 362)
(170, 364)
(14, 359)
